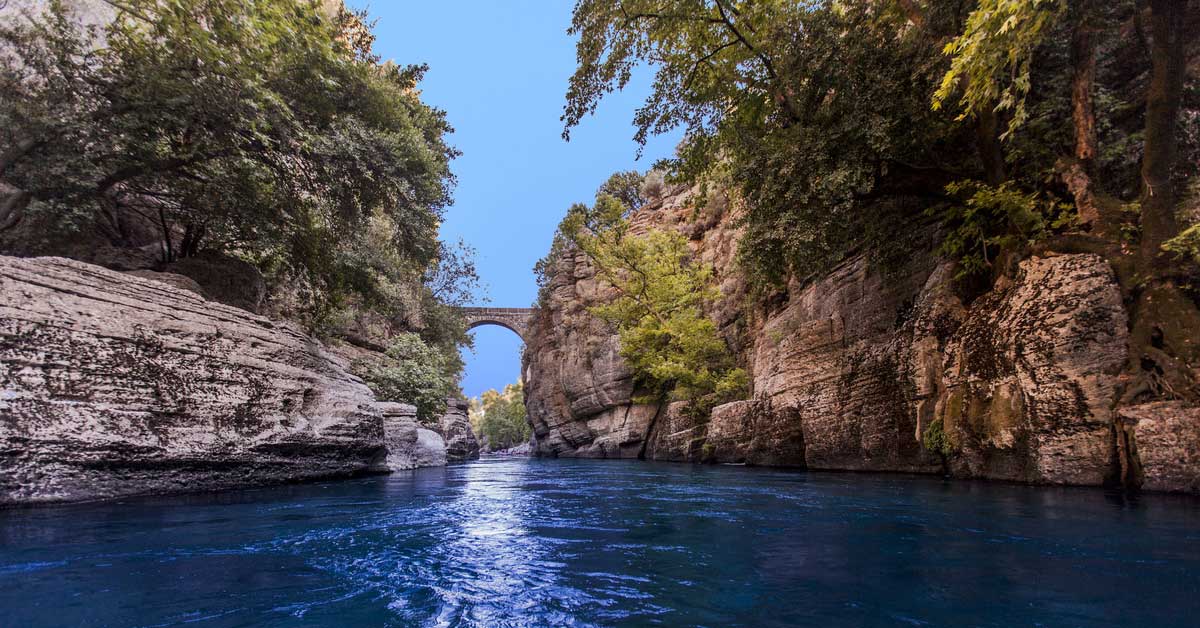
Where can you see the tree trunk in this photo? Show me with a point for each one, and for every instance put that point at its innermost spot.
(1162, 114)
(1083, 78)
(192, 235)
(1077, 173)
(1166, 323)
(168, 249)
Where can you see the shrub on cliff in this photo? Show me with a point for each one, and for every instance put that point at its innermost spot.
(412, 371)
(936, 441)
(670, 344)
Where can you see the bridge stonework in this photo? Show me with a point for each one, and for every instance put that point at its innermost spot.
(515, 319)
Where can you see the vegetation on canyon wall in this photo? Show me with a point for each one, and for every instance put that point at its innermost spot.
(498, 418)
(412, 371)
(266, 131)
(670, 344)
(1015, 125)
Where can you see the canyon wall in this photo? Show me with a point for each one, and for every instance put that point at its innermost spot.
(850, 369)
(117, 384)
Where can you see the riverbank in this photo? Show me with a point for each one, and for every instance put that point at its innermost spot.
(113, 384)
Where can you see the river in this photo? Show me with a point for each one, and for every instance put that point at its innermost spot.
(518, 542)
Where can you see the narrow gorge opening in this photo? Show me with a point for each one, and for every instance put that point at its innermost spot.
(493, 380)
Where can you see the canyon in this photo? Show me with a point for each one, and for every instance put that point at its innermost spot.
(850, 369)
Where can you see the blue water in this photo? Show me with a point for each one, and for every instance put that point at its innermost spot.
(583, 543)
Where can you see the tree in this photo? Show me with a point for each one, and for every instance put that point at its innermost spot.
(263, 128)
(819, 113)
(670, 344)
(1165, 337)
(498, 418)
(995, 54)
(813, 110)
(992, 58)
(413, 372)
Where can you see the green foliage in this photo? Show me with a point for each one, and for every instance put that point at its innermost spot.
(626, 187)
(499, 418)
(989, 219)
(935, 439)
(412, 371)
(265, 129)
(629, 189)
(543, 269)
(1186, 245)
(777, 102)
(672, 347)
(993, 57)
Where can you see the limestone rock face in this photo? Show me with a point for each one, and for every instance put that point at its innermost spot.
(179, 281)
(835, 360)
(676, 435)
(409, 446)
(850, 369)
(1030, 376)
(754, 432)
(455, 428)
(116, 385)
(578, 391)
(1166, 436)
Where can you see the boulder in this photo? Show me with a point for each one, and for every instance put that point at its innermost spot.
(409, 445)
(1166, 439)
(1030, 376)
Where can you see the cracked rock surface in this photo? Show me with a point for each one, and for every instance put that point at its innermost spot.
(849, 369)
(113, 384)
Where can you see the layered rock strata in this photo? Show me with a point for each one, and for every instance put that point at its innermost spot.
(849, 371)
(112, 385)
(409, 445)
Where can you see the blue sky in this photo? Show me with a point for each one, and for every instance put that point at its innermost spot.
(499, 69)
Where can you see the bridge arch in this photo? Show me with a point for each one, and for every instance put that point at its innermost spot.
(515, 319)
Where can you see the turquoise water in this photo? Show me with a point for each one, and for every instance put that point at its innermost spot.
(594, 543)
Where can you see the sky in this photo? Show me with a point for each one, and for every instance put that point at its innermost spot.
(499, 69)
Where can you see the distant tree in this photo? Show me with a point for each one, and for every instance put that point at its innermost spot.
(499, 417)
(626, 187)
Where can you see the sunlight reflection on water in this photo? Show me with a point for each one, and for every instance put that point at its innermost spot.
(592, 543)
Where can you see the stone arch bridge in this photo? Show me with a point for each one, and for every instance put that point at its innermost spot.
(515, 319)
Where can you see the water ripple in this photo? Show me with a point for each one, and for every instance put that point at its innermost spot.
(578, 543)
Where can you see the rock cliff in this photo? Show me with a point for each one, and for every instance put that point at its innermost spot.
(455, 428)
(113, 384)
(850, 369)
